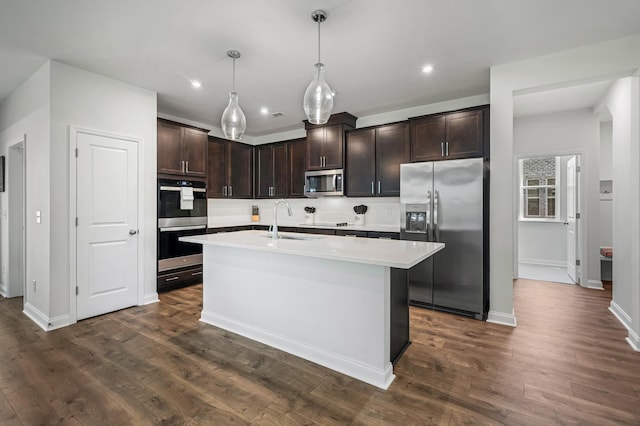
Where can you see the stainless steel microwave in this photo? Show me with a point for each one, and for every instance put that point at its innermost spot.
(320, 183)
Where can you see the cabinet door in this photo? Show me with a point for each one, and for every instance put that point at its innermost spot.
(427, 138)
(360, 172)
(194, 152)
(297, 158)
(333, 143)
(392, 149)
(464, 134)
(315, 147)
(240, 170)
(216, 168)
(280, 170)
(264, 171)
(169, 148)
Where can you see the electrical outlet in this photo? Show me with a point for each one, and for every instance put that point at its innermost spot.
(34, 286)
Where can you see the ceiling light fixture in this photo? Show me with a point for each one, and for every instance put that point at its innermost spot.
(233, 121)
(318, 98)
(264, 111)
(196, 84)
(427, 69)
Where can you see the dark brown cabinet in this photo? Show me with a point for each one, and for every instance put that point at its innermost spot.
(373, 158)
(325, 143)
(450, 136)
(297, 158)
(230, 169)
(271, 170)
(182, 150)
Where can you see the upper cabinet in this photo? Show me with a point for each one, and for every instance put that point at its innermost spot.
(271, 170)
(325, 142)
(297, 158)
(182, 150)
(230, 169)
(373, 158)
(449, 136)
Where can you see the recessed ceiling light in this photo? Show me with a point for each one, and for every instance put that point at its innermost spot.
(196, 84)
(264, 110)
(427, 69)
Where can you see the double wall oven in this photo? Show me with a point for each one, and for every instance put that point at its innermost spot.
(182, 211)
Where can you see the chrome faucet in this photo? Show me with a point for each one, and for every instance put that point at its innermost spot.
(274, 229)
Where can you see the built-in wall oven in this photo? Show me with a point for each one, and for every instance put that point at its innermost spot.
(182, 211)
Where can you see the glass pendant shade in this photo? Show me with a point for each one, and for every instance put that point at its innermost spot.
(318, 99)
(233, 121)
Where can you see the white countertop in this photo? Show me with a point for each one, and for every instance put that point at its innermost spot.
(392, 253)
(366, 227)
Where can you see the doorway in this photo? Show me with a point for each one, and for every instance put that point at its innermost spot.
(16, 177)
(548, 228)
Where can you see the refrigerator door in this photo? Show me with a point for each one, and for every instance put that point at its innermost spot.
(457, 217)
(416, 194)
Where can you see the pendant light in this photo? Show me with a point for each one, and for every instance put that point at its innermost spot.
(233, 121)
(318, 99)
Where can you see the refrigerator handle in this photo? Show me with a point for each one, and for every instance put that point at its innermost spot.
(436, 225)
(428, 218)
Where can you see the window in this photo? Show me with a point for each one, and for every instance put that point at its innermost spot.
(538, 177)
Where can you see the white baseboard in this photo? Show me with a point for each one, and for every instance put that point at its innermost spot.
(381, 378)
(36, 316)
(619, 313)
(150, 298)
(502, 318)
(634, 340)
(543, 262)
(595, 285)
(44, 322)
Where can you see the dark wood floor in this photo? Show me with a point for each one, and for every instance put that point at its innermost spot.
(566, 363)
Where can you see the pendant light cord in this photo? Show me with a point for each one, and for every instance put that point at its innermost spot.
(319, 21)
(234, 75)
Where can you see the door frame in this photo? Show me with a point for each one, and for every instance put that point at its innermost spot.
(74, 131)
(583, 202)
(19, 144)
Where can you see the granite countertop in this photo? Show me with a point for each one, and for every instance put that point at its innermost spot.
(391, 253)
(320, 225)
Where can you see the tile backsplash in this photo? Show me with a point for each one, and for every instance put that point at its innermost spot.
(381, 211)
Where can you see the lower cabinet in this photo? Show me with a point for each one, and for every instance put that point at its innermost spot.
(179, 278)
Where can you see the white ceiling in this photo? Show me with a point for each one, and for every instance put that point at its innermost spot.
(373, 49)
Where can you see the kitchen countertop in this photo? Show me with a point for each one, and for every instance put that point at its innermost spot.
(322, 225)
(391, 253)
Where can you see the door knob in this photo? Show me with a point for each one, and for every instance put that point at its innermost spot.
(133, 231)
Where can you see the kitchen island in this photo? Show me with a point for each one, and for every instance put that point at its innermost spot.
(341, 302)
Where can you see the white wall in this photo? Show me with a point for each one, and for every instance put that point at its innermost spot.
(571, 132)
(590, 63)
(606, 150)
(619, 103)
(26, 111)
(43, 108)
(542, 243)
(88, 100)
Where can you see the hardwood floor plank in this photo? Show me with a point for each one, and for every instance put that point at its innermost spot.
(567, 362)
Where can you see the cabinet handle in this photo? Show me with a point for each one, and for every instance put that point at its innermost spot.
(193, 274)
(171, 279)
(372, 188)
(378, 187)
(230, 191)
(441, 149)
(447, 144)
(186, 168)
(224, 190)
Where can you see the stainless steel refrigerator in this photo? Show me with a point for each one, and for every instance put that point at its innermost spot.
(448, 201)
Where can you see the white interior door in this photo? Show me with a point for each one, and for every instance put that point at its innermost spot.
(107, 229)
(572, 219)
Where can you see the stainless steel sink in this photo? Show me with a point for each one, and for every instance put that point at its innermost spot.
(295, 237)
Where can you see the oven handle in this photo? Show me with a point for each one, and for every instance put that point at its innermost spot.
(182, 228)
(177, 189)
